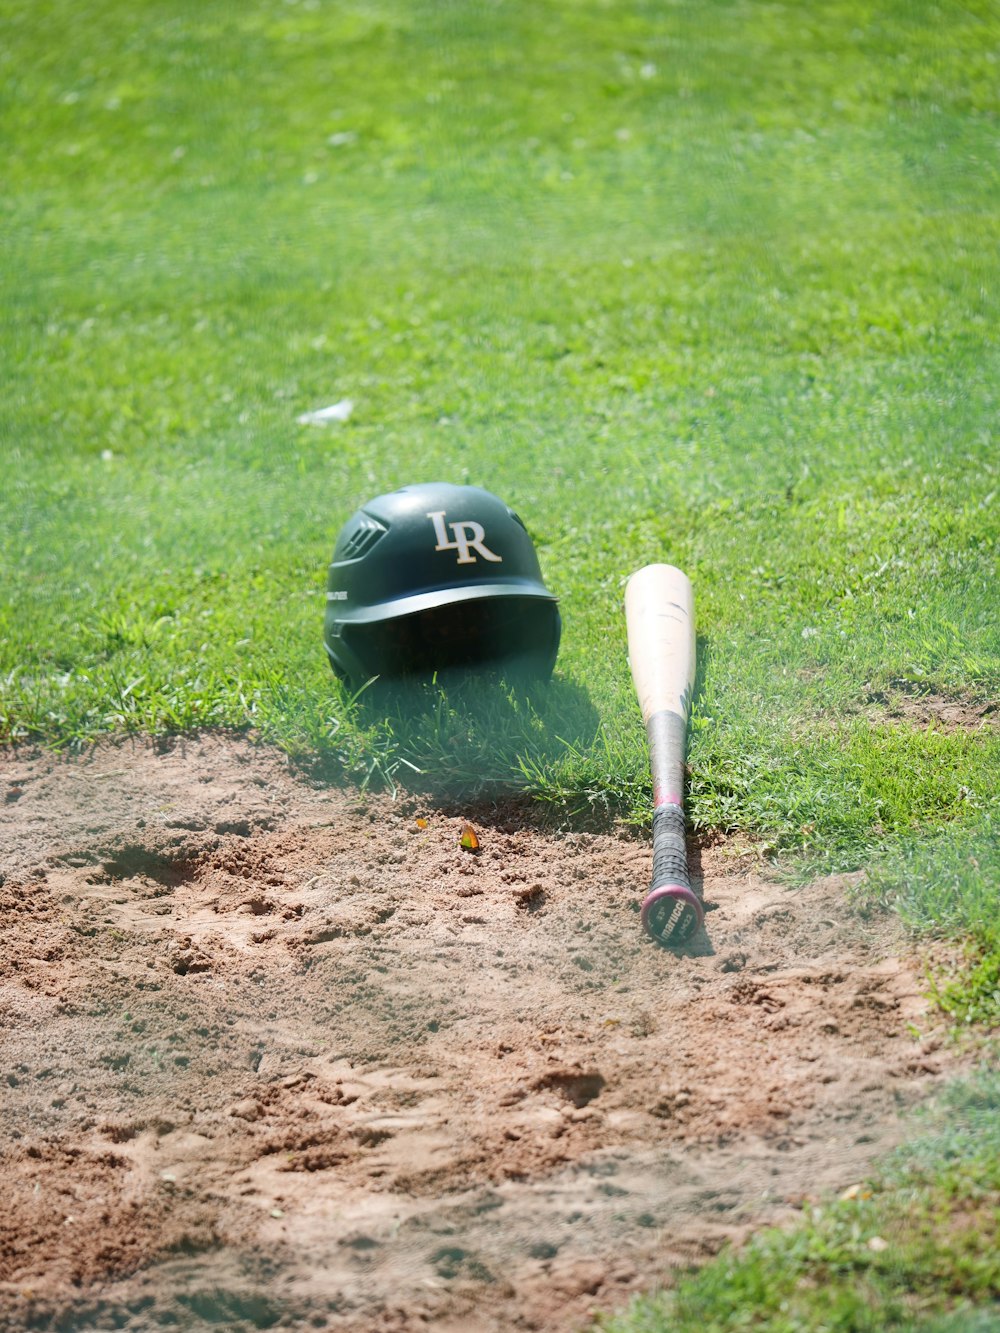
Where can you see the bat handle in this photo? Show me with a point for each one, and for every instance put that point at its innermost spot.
(669, 849)
(672, 911)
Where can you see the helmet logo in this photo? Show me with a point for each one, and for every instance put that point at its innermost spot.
(469, 537)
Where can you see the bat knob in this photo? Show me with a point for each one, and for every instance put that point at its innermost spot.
(671, 914)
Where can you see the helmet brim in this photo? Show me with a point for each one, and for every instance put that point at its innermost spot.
(428, 601)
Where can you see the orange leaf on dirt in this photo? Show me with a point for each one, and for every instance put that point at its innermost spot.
(469, 840)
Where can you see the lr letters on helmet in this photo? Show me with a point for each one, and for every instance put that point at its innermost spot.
(463, 543)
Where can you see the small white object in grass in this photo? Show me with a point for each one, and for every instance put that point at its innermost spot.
(342, 138)
(810, 632)
(877, 1244)
(106, 455)
(325, 416)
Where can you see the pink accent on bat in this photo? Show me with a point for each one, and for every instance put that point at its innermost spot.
(682, 894)
(662, 797)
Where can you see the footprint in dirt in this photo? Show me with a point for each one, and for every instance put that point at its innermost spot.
(451, 1262)
(577, 1086)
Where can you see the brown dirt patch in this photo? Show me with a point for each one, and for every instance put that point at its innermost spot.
(933, 710)
(279, 1056)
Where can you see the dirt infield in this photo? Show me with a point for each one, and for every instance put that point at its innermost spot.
(279, 1056)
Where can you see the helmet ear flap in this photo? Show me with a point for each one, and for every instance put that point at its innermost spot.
(346, 665)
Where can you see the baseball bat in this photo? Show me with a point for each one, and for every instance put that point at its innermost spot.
(659, 614)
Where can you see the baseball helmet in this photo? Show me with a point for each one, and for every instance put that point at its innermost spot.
(436, 576)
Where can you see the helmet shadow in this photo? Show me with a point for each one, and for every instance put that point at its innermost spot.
(471, 734)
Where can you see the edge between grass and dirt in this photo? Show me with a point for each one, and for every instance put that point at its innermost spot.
(915, 1248)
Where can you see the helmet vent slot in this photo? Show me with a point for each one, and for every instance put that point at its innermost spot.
(362, 539)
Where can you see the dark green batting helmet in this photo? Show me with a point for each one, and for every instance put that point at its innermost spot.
(433, 577)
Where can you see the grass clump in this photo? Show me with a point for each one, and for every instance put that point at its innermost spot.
(946, 887)
(916, 1250)
(974, 997)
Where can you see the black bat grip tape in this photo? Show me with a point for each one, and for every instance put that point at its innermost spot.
(669, 850)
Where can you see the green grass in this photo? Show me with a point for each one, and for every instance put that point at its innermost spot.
(915, 1251)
